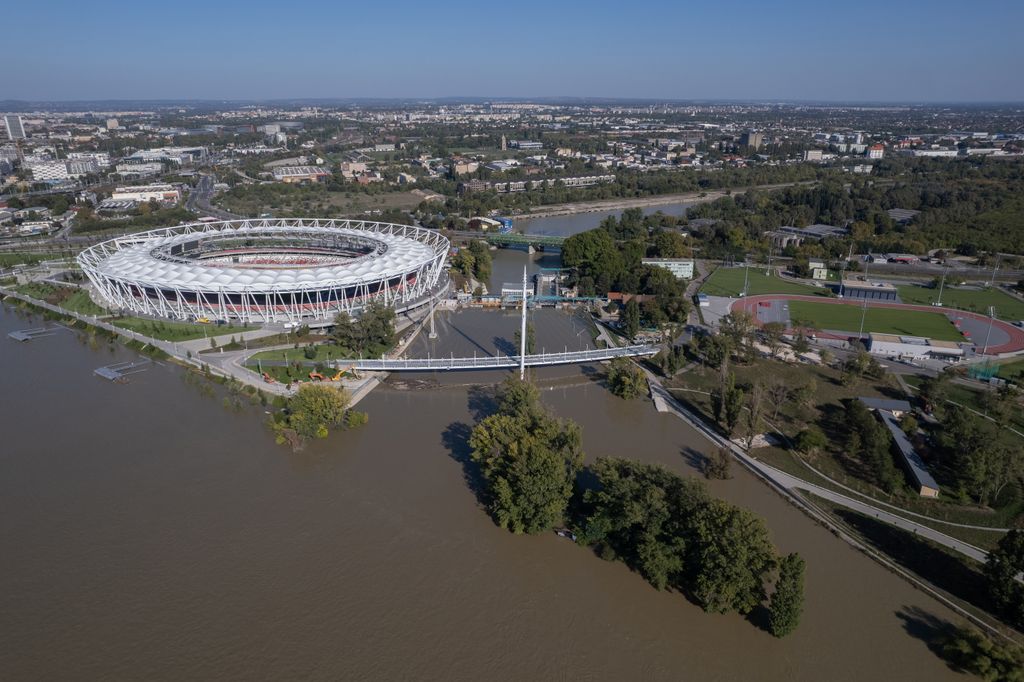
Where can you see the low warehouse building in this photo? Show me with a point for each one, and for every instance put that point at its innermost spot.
(913, 347)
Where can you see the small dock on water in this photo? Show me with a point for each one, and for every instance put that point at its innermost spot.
(29, 334)
(120, 371)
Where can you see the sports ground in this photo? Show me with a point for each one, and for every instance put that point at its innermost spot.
(842, 318)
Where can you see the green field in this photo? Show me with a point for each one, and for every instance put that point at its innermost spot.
(729, 282)
(176, 331)
(70, 298)
(879, 320)
(1012, 370)
(977, 300)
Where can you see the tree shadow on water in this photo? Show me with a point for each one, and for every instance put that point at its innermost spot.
(456, 439)
(695, 458)
(505, 346)
(927, 627)
(482, 402)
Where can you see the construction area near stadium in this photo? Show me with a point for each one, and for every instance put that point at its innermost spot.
(268, 270)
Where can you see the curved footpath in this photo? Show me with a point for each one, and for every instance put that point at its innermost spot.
(1015, 334)
(665, 402)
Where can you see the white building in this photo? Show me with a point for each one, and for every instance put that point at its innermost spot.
(913, 347)
(79, 167)
(813, 155)
(876, 151)
(680, 267)
(112, 124)
(162, 193)
(15, 127)
(102, 159)
(139, 168)
(47, 170)
(182, 156)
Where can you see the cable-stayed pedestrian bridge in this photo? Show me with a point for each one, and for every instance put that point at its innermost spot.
(502, 361)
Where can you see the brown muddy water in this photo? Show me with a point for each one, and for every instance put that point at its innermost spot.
(149, 533)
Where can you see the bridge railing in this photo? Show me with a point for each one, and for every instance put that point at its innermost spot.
(493, 362)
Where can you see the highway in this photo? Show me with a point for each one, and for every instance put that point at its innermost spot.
(199, 200)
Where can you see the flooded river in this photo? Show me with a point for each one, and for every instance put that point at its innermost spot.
(566, 225)
(150, 533)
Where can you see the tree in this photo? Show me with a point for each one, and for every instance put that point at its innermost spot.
(630, 319)
(971, 651)
(718, 464)
(755, 408)
(315, 409)
(811, 441)
(737, 327)
(732, 404)
(531, 339)
(787, 602)
(1004, 563)
(528, 459)
(778, 394)
(625, 379)
(773, 332)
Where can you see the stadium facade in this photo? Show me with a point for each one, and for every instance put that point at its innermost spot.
(268, 270)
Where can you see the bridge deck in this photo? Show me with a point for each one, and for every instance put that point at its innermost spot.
(502, 362)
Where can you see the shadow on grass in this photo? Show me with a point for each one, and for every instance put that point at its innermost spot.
(944, 570)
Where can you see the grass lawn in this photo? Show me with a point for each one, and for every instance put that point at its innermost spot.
(977, 300)
(729, 282)
(176, 331)
(1012, 370)
(70, 298)
(880, 320)
(324, 353)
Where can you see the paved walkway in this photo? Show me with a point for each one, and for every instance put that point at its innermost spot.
(666, 402)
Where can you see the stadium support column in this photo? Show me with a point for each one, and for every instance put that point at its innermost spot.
(522, 334)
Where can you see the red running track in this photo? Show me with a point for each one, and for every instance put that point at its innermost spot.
(1016, 334)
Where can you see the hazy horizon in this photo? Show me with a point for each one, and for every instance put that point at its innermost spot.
(875, 52)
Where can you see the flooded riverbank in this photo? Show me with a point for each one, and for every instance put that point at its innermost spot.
(149, 533)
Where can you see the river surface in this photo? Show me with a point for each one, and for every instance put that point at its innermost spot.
(566, 225)
(150, 533)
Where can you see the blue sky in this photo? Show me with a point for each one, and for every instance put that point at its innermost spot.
(899, 50)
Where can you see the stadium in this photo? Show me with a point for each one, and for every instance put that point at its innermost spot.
(268, 270)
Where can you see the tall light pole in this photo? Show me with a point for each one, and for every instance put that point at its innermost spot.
(995, 267)
(991, 321)
(942, 283)
(863, 314)
(746, 277)
(522, 334)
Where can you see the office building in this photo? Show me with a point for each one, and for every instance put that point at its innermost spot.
(15, 127)
(112, 124)
(682, 268)
(876, 151)
(752, 139)
(47, 170)
(296, 174)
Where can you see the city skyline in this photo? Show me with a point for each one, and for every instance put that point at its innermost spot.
(903, 52)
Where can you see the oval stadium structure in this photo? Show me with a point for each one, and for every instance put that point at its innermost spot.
(268, 269)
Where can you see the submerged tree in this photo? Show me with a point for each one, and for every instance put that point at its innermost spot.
(787, 601)
(625, 379)
(529, 460)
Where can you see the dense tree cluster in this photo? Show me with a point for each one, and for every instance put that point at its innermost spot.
(869, 445)
(1004, 564)
(529, 460)
(372, 332)
(969, 650)
(311, 412)
(673, 533)
(473, 261)
(625, 379)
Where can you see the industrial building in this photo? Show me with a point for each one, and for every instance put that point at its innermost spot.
(787, 235)
(294, 174)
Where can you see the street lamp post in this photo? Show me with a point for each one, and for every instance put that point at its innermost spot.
(942, 284)
(991, 321)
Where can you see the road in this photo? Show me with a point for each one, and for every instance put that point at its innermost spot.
(199, 200)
